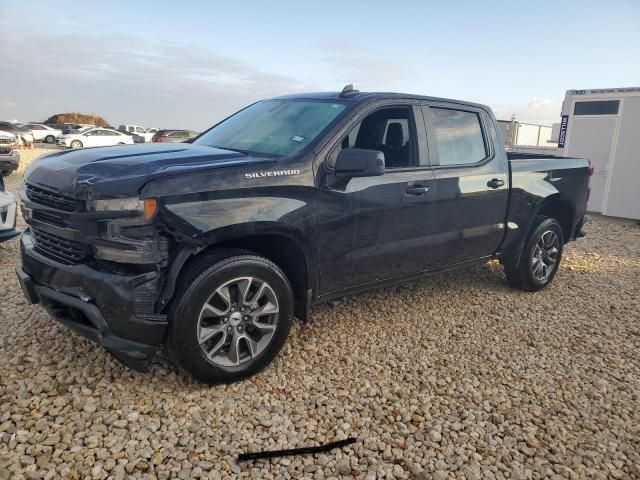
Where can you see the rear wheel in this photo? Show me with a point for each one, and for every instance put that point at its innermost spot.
(49, 139)
(231, 317)
(540, 258)
(76, 144)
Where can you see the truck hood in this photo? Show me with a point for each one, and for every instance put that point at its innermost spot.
(121, 171)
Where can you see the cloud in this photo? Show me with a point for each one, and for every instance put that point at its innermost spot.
(539, 103)
(349, 61)
(538, 110)
(127, 80)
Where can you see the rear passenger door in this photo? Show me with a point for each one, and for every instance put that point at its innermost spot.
(472, 184)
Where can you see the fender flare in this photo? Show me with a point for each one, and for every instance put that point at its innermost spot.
(225, 237)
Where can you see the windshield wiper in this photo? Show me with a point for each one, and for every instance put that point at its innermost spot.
(244, 152)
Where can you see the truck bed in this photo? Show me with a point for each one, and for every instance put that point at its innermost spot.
(533, 156)
(533, 162)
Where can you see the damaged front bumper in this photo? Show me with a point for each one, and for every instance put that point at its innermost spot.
(110, 306)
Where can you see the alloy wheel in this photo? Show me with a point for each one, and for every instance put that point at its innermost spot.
(545, 256)
(237, 321)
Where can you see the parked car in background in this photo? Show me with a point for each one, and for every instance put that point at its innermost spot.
(7, 214)
(95, 137)
(63, 127)
(173, 136)
(43, 133)
(140, 134)
(24, 135)
(9, 155)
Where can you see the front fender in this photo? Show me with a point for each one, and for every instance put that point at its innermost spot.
(209, 219)
(200, 223)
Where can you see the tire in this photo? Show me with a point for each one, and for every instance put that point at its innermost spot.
(199, 308)
(76, 144)
(537, 267)
(49, 139)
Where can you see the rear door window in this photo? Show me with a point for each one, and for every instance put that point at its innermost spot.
(459, 137)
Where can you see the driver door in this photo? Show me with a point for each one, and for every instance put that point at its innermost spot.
(373, 229)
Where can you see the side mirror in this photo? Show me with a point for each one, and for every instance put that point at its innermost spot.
(359, 162)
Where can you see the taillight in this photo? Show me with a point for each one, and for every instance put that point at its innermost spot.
(591, 170)
(160, 138)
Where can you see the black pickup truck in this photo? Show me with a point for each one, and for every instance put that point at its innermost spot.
(209, 248)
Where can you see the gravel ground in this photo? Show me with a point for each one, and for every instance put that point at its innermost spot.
(456, 376)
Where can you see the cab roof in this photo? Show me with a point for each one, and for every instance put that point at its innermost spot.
(364, 97)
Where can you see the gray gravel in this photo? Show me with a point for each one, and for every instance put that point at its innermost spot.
(456, 376)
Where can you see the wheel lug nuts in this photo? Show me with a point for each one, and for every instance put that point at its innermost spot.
(229, 329)
(225, 320)
(246, 317)
(239, 328)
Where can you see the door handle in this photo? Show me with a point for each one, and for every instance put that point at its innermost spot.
(416, 191)
(495, 183)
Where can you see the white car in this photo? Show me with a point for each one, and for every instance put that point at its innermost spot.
(43, 133)
(95, 137)
(9, 154)
(140, 134)
(7, 214)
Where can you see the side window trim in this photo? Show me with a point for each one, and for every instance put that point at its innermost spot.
(414, 108)
(430, 126)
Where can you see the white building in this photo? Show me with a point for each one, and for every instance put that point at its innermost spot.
(604, 126)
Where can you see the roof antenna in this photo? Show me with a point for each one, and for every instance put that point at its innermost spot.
(349, 91)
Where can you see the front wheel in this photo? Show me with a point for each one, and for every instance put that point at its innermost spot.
(231, 316)
(49, 139)
(540, 258)
(76, 144)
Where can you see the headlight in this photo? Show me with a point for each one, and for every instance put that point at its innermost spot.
(130, 239)
(147, 207)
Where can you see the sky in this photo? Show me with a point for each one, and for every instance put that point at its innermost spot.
(189, 64)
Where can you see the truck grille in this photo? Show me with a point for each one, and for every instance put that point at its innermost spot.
(50, 199)
(6, 141)
(5, 149)
(59, 248)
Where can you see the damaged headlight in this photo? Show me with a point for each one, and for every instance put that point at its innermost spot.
(147, 207)
(132, 239)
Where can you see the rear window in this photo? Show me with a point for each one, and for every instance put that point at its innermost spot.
(599, 107)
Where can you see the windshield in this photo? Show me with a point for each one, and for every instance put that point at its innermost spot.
(273, 127)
